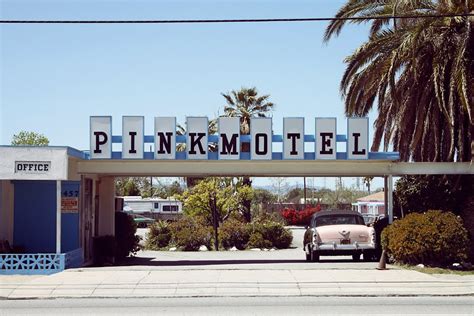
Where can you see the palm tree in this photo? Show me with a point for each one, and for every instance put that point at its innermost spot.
(245, 104)
(419, 71)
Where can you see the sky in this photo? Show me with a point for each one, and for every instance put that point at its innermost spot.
(54, 77)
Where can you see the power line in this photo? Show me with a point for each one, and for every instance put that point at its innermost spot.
(379, 17)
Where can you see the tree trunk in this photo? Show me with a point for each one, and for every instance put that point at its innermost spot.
(246, 203)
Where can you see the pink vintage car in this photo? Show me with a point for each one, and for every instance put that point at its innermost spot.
(336, 233)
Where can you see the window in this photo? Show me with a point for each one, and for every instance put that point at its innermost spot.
(170, 208)
(339, 220)
(156, 205)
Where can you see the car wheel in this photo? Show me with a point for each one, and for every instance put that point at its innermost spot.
(314, 256)
(356, 257)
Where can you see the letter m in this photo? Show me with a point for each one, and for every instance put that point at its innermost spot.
(229, 147)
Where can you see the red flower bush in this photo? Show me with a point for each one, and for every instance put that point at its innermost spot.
(294, 217)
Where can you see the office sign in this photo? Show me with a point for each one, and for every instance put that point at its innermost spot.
(32, 167)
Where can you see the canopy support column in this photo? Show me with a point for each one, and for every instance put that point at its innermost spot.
(58, 216)
(390, 198)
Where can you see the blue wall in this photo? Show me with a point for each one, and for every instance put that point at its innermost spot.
(35, 217)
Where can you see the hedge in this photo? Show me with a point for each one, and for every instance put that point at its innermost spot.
(433, 238)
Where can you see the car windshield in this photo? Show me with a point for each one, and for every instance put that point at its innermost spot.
(338, 220)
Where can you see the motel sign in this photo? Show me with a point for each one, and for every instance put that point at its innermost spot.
(228, 138)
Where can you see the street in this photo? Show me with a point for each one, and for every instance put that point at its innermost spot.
(244, 306)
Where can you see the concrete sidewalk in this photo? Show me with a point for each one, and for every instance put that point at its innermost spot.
(105, 282)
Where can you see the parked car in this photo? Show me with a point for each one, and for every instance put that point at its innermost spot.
(142, 221)
(335, 233)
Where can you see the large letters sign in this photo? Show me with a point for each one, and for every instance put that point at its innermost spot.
(293, 138)
(325, 138)
(196, 143)
(229, 138)
(261, 138)
(101, 137)
(358, 138)
(228, 141)
(165, 137)
(132, 137)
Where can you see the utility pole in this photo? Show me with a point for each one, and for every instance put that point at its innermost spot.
(304, 191)
(214, 220)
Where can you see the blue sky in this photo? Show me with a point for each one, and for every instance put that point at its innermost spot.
(53, 77)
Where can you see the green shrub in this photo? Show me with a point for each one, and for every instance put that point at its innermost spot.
(234, 233)
(158, 236)
(189, 233)
(432, 238)
(273, 232)
(258, 241)
(125, 235)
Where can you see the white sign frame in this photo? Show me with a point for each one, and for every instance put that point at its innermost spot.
(133, 124)
(228, 126)
(293, 125)
(165, 124)
(261, 125)
(358, 124)
(197, 124)
(325, 124)
(95, 122)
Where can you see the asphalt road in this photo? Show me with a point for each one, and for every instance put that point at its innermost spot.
(244, 306)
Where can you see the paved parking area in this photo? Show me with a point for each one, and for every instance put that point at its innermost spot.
(292, 258)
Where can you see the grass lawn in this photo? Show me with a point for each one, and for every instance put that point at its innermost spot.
(431, 270)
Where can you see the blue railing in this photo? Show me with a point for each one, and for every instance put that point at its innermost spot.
(31, 263)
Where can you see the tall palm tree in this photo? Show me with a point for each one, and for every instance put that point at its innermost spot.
(245, 104)
(419, 71)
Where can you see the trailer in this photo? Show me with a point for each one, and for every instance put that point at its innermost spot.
(156, 208)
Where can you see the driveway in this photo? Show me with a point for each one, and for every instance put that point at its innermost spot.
(292, 258)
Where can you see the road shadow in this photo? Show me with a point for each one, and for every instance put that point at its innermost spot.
(151, 261)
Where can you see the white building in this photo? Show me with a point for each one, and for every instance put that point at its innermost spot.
(371, 206)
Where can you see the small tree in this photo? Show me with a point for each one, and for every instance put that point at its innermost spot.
(25, 138)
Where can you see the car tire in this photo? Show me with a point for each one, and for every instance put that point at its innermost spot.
(356, 257)
(314, 256)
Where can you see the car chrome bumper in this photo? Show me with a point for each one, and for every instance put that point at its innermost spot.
(349, 247)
